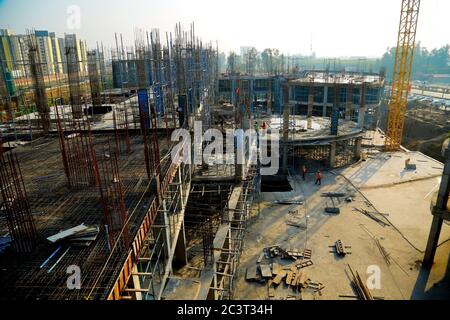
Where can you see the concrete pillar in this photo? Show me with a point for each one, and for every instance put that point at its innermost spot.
(358, 147)
(269, 97)
(325, 102)
(349, 105)
(166, 229)
(433, 238)
(362, 107)
(286, 115)
(240, 156)
(441, 206)
(332, 154)
(180, 258)
(233, 90)
(310, 110)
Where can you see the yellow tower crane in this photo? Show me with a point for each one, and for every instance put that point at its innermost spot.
(401, 79)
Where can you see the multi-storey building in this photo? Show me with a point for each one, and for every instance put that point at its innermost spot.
(45, 49)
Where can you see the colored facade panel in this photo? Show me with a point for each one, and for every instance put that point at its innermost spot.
(144, 107)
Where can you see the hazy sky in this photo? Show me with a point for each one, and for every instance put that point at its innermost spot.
(337, 28)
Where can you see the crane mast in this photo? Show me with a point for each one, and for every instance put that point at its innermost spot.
(401, 79)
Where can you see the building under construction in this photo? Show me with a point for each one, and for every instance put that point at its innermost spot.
(93, 184)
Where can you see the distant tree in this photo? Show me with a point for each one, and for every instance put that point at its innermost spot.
(424, 62)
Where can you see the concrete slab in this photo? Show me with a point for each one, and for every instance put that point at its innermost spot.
(191, 289)
(405, 196)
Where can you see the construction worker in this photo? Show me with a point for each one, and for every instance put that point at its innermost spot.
(304, 172)
(319, 177)
(264, 126)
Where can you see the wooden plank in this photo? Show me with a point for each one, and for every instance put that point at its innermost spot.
(266, 271)
(303, 279)
(276, 269)
(67, 233)
(290, 274)
(252, 274)
(280, 277)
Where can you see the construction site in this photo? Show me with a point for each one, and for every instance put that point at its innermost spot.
(95, 181)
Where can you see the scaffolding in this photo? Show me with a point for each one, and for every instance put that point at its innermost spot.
(143, 194)
(15, 204)
(112, 197)
(76, 150)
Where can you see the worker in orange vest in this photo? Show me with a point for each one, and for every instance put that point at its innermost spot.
(319, 177)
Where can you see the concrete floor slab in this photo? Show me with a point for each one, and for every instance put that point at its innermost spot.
(405, 196)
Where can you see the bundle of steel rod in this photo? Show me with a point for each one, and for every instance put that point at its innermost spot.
(359, 286)
(122, 137)
(15, 204)
(151, 143)
(112, 197)
(76, 151)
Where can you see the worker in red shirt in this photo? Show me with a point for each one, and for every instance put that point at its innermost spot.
(264, 126)
(319, 178)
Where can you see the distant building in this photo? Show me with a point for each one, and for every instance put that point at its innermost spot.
(57, 53)
(45, 49)
(52, 53)
(245, 51)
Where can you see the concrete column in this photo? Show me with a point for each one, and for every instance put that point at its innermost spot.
(269, 101)
(233, 90)
(362, 107)
(166, 229)
(349, 105)
(180, 255)
(325, 101)
(310, 110)
(286, 115)
(358, 148)
(441, 206)
(240, 160)
(433, 238)
(332, 154)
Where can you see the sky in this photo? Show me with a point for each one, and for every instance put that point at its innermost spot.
(334, 28)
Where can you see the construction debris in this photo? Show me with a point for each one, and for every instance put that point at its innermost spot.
(359, 286)
(252, 274)
(341, 250)
(333, 195)
(287, 202)
(275, 251)
(78, 236)
(384, 253)
(266, 271)
(371, 216)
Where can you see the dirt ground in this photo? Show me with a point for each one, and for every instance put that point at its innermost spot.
(384, 186)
